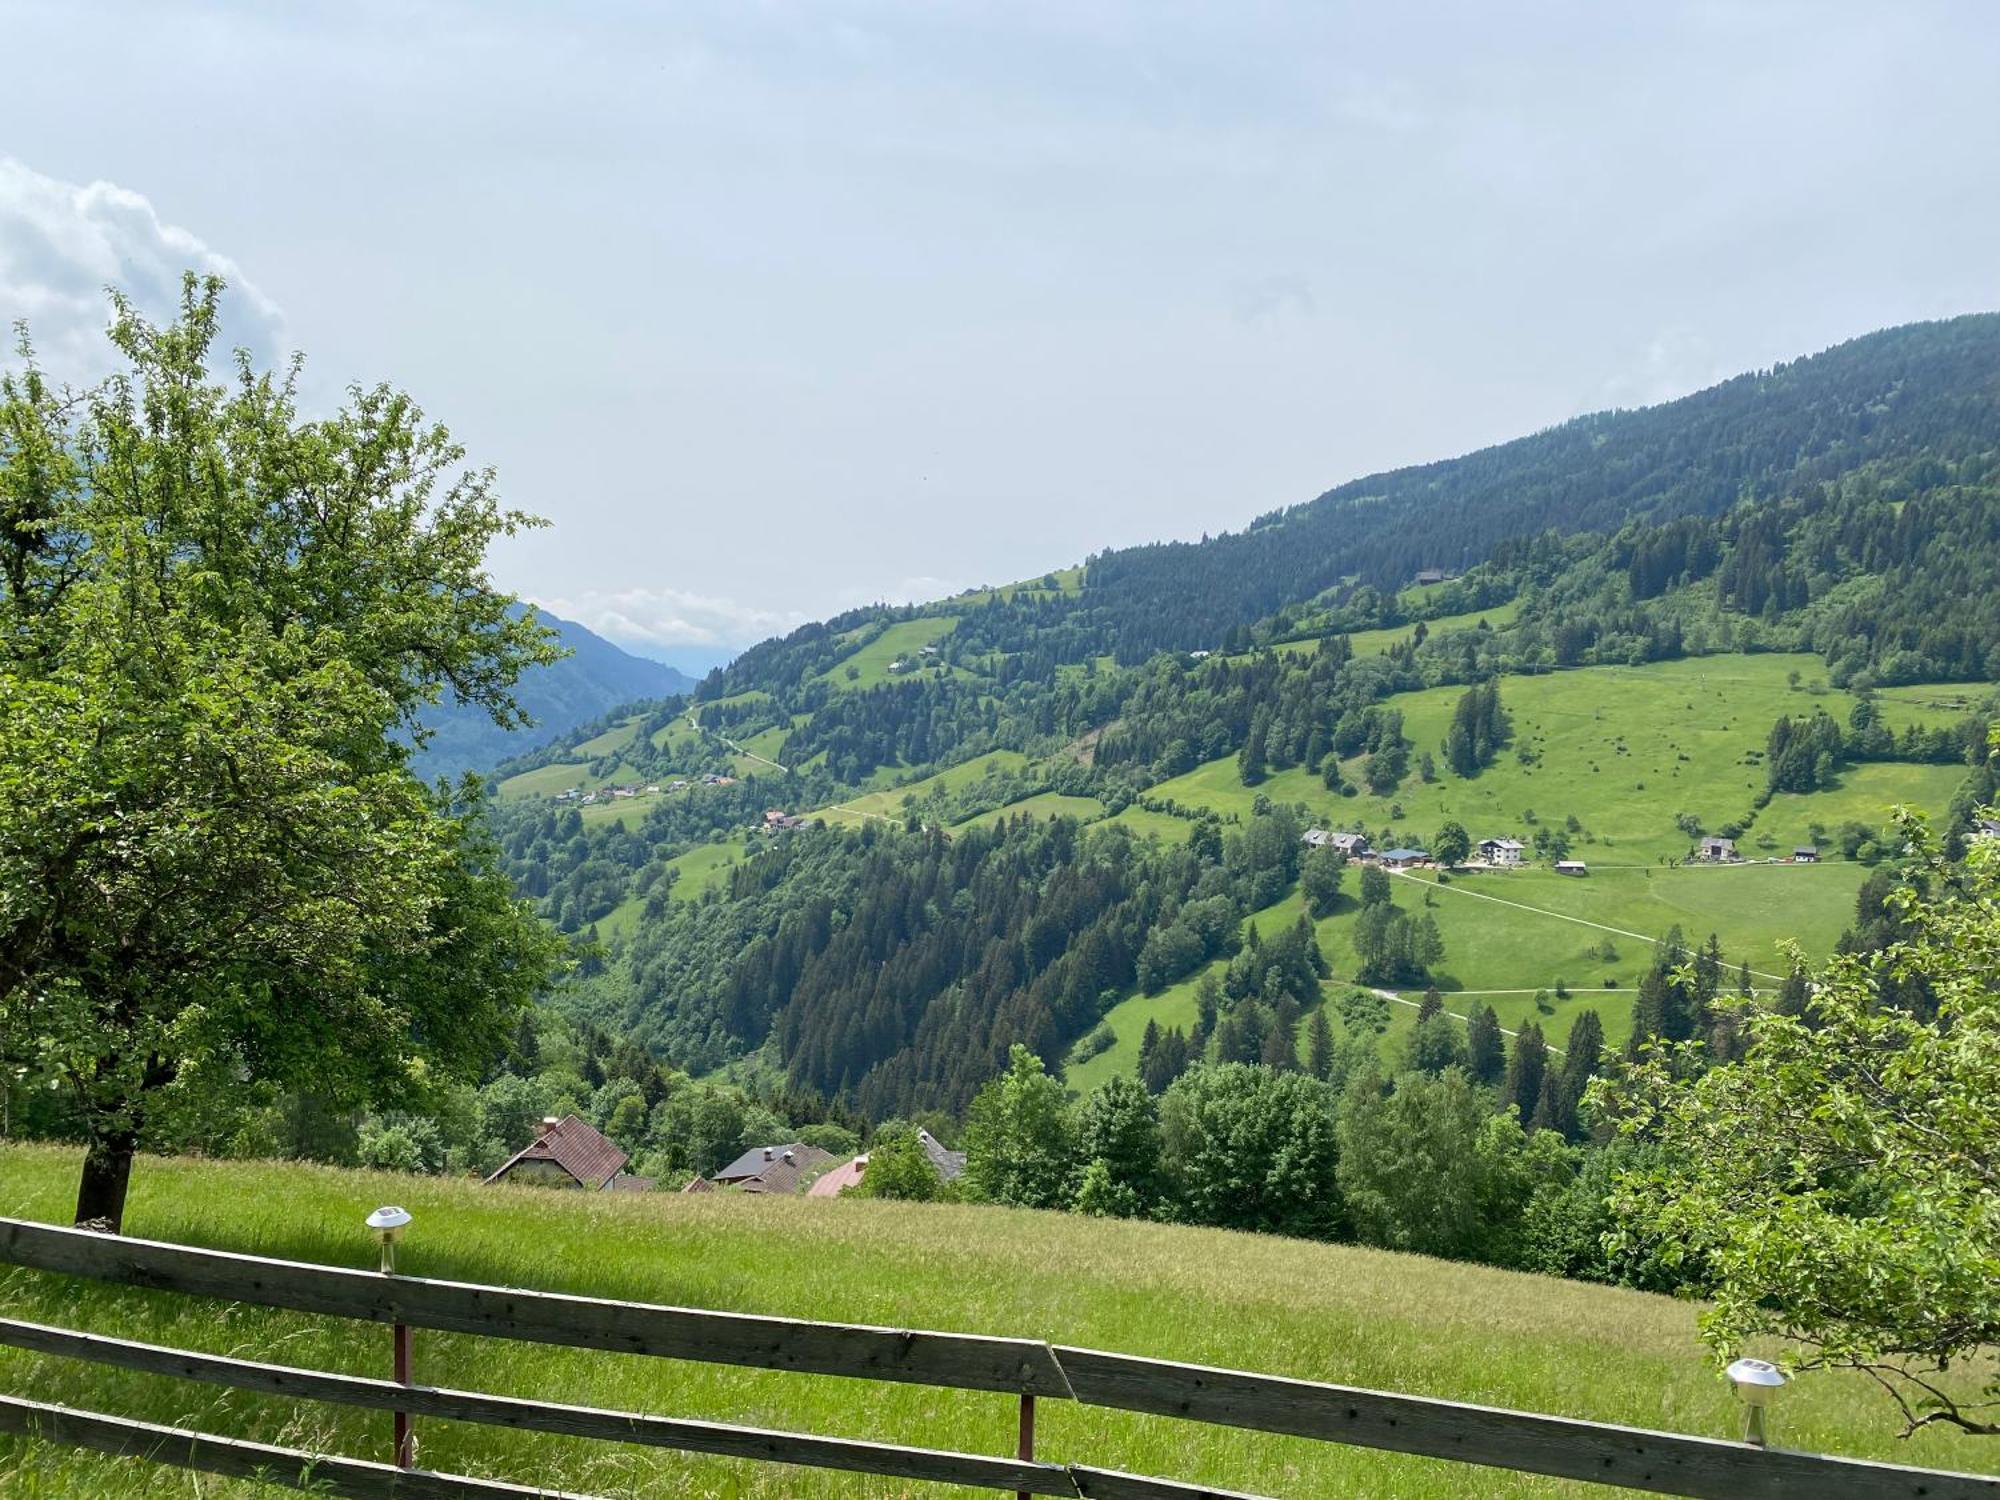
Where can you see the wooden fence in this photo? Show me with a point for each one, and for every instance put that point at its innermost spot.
(1662, 1462)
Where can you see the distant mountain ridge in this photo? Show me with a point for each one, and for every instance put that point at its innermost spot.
(593, 679)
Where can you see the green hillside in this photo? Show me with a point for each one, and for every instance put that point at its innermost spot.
(1324, 1312)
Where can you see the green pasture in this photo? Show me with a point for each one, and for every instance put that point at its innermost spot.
(1622, 749)
(1325, 1312)
(1040, 806)
(903, 641)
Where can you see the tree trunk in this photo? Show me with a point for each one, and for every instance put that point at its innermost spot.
(107, 1170)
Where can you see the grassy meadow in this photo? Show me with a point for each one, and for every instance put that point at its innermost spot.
(1283, 1306)
(1621, 749)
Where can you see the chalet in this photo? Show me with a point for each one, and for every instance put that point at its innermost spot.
(569, 1153)
(1315, 838)
(1572, 867)
(1428, 576)
(1403, 859)
(774, 1169)
(1353, 845)
(1502, 851)
(777, 822)
(1717, 850)
(1805, 854)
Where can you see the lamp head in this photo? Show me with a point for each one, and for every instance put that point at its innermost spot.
(1756, 1380)
(388, 1223)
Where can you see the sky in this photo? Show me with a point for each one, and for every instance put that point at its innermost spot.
(776, 309)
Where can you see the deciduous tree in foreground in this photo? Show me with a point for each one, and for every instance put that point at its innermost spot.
(1839, 1187)
(218, 621)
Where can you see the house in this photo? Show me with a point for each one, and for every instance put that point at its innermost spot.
(570, 1153)
(773, 1169)
(837, 1180)
(831, 1184)
(1404, 859)
(927, 651)
(777, 822)
(1428, 576)
(1353, 845)
(1199, 655)
(1315, 838)
(1502, 851)
(1717, 850)
(1805, 854)
(1572, 867)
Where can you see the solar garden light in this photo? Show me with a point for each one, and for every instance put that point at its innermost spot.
(388, 1224)
(1756, 1382)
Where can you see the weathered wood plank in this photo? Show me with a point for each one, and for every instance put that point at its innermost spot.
(1664, 1462)
(725, 1440)
(957, 1360)
(1109, 1484)
(233, 1458)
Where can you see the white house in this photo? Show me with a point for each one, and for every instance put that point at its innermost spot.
(1502, 851)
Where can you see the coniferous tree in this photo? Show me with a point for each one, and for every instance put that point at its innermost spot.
(1525, 1069)
(1485, 1047)
(1319, 1045)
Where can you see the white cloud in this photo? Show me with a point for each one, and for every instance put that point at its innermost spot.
(663, 618)
(61, 245)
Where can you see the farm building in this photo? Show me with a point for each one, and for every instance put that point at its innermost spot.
(1502, 851)
(1572, 867)
(1353, 845)
(1428, 576)
(570, 1153)
(1805, 854)
(1716, 850)
(773, 1169)
(1404, 859)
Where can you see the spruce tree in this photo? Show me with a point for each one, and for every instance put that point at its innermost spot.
(1485, 1047)
(1525, 1069)
(1319, 1045)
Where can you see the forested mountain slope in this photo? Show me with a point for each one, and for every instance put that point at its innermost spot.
(1764, 612)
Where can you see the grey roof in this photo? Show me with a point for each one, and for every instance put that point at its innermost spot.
(1406, 854)
(948, 1163)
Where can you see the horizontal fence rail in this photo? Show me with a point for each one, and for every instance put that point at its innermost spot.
(236, 1458)
(961, 1361)
(890, 1459)
(1561, 1447)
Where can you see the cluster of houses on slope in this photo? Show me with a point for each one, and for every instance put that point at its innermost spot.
(777, 820)
(926, 656)
(1499, 853)
(582, 798)
(572, 1153)
(1715, 850)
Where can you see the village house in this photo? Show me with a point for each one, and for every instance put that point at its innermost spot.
(571, 1153)
(1353, 845)
(1717, 850)
(832, 1183)
(773, 1169)
(1805, 854)
(1502, 851)
(777, 822)
(1403, 859)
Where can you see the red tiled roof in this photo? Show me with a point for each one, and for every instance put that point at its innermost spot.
(836, 1180)
(576, 1146)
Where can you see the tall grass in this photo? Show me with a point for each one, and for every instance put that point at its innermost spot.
(1324, 1312)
